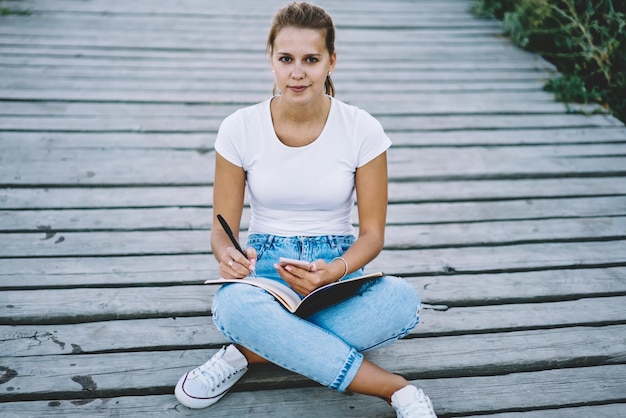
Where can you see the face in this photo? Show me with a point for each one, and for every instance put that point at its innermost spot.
(301, 63)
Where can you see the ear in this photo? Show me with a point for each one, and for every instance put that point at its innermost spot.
(332, 62)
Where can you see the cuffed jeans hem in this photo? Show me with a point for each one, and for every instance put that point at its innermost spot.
(349, 371)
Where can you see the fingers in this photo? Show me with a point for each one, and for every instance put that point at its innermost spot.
(235, 264)
(251, 253)
(302, 280)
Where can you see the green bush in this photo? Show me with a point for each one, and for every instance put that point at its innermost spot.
(586, 40)
(6, 10)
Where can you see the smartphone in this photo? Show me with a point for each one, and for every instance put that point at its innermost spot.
(283, 261)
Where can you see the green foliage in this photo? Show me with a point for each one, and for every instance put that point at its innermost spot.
(5, 10)
(572, 88)
(585, 39)
(491, 8)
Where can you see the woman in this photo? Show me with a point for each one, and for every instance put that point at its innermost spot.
(303, 154)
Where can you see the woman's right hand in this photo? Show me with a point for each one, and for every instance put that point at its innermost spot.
(234, 265)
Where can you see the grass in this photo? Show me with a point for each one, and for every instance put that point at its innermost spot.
(585, 39)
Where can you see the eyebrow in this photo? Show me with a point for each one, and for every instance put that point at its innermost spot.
(312, 54)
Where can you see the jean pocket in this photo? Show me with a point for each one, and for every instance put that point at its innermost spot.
(261, 243)
(342, 243)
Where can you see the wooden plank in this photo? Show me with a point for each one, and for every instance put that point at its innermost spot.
(491, 190)
(193, 269)
(452, 102)
(504, 232)
(491, 394)
(200, 218)
(48, 242)
(196, 22)
(236, 50)
(115, 303)
(199, 7)
(108, 271)
(391, 123)
(399, 192)
(229, 45)
(80, 305)
(500, 259)
(527, 69)
(171, 333)
(519, 137)
(113, 374)
(17, 35)
(447, 105)
(192, 167)
(520, 287)
(496, 81)
(596, 411)
(95, 167)
(503, 210)
(407, 101)
(204, 142)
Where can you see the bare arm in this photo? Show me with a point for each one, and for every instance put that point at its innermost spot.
(228, 195)
(371, 192)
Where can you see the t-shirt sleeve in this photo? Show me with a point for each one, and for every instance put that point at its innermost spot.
(374, 139)
(229, 141)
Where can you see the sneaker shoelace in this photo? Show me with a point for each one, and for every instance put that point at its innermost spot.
(422, 407)
(215, 372)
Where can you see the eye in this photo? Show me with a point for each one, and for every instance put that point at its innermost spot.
(284, 59)
(312, 60)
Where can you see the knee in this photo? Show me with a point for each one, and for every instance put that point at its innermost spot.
(231, 304)
(403, 297)
(402, 292)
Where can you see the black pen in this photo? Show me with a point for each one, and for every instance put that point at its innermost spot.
(230, 234)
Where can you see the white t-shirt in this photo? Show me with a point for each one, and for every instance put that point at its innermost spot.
(301, 191)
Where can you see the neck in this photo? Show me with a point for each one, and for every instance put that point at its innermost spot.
(301, 112)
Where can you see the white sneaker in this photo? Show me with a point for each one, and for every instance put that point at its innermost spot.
(411, 402)
(205, 385)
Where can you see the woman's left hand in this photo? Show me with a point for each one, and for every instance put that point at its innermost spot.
(304, 281)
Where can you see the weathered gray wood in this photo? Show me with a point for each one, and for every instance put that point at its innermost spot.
(203, 141)
(532, 69)
(200, 218)
(399, 192)
(92, 167)
(78, 305)
(599, 411)
(526, 84)
(491, 394)
(439, 357)
(504, 232)
(33, 36)
(50, 243)
(412, 101)
(99, 140)
(196, 167)
(501, 259)
(228, 46)
(195, 6)
(193, 269)
(518, 137)
(98, 94)
(392, 123)
(174, 333)
(346, 92)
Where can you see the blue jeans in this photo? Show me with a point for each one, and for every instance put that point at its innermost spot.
(327, 347)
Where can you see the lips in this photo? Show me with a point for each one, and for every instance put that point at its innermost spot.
(298, 89)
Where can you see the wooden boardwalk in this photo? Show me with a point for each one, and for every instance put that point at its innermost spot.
(507, 210)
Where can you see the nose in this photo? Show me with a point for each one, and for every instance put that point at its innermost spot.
(298, 72)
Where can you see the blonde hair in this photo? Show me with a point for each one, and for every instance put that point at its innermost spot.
(306, 16)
